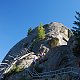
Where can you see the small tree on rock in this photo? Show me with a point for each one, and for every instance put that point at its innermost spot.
(29, 31)
(41, 32)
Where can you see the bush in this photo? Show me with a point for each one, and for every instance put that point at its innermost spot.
(14, 70)
(53, 42)
(41, 32)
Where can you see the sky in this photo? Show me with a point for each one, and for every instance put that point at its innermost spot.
(16, 16)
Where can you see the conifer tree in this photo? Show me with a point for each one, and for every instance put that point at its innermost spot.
(29, 31)
(76, 32)
(76, 29)
(41, 32)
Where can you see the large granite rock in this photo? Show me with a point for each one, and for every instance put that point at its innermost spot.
(52, 52)
(53, 30)
(59, 57)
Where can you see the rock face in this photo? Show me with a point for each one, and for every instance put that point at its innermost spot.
(60, 31)
(46, 55)
(53, 30)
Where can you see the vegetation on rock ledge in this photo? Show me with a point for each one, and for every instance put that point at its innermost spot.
(41, 32)
(29, 31)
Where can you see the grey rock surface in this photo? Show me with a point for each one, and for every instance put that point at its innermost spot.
(54, 29)
(59, 57)
(53, 58)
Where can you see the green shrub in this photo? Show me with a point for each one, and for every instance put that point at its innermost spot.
(53, 42)
(14, 70)
(46, 25)
(41, 32)
(18, 69)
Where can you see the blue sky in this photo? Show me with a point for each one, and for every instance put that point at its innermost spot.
(16, 16)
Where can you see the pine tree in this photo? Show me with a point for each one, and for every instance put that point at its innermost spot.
(29, 31)
(76, 29)
(41, 32)
(76, 32)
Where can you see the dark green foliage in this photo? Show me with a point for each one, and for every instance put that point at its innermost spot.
(76, 32)
(76, 29)
(46, 25)
(29, 31)
(15, 69)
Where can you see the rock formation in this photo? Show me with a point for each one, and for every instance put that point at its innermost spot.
(30, 58)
